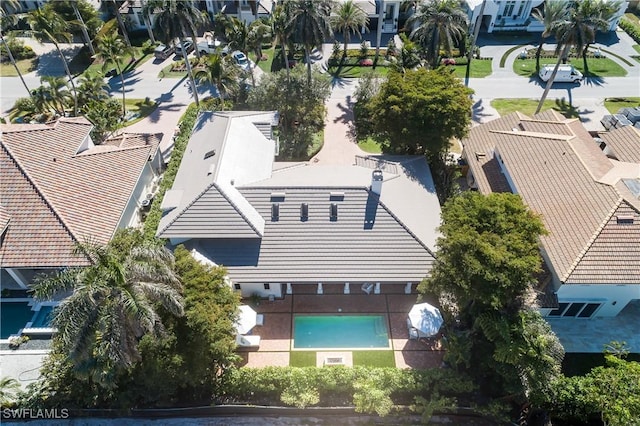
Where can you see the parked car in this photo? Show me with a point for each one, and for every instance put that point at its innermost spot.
(163, 52)
(206, 47)
(188, 47)
(565, 74)
(241, 59)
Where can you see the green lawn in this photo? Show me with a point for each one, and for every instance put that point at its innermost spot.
(598, 67)
(356, 71)
(302, 358)
(24, 65)
(614, 104)
(632, 17)
(370, 145)
(374, 358)
(83, 62)
(318, 142)
(637, 47)
(265, 65)
(139, 108)
(506, 54)
(479, 68)
(528, 106)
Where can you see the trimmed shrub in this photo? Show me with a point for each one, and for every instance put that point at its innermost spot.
(631, 29)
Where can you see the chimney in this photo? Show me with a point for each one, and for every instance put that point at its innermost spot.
(376, 182)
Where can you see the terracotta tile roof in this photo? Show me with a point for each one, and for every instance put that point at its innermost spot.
(56, 196)
(613, 255)
(578, 191)
(624, 142)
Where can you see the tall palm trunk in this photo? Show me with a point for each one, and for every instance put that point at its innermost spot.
(189, 72)
(379, 30)
(565, 51)
(73, 85)
(124, 104)
(345, 34)
(13, 62)
(147, 23)
(286, 57)
(307, 56)
(435, 45)
(125, 35)
(83, 27)
(584, 59)
(538, 51)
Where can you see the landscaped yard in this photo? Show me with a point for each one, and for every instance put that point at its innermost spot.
(139, 108)
(25, 66)
(374, 358)
(83, 62)
(302, 359)
(370, 145)
(479, 68)
(614, 104)
(528, 106)
(356, 71)
(598, 67)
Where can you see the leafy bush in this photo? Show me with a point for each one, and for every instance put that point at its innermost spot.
(632, 29)
(18, 49)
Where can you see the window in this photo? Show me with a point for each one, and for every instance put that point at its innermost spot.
(558, 312)
(508, 9)
(267, 286)
(237, 286)
(573, 309)
(589, 310)
(520, 9)
(275, 212)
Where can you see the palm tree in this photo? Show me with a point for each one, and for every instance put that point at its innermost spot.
(222, 74)
(578, 29)
(123, 27)
(6, 17)
(176, 20)
(57, 92)
(113, 303)
(281, 31)
(309, 22)
(147, 12)
(83, 27)
(553, 12)
(9, 387)
(112, 50)
(47, 25)
(439, 24)
(349, 18)
(259, 34)
(91, 87)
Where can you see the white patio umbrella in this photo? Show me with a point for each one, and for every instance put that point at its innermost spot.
(426, 319)
(247, 319)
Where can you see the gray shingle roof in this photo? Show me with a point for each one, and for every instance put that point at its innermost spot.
(351, 248)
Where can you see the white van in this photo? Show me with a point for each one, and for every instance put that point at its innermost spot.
(566, 74)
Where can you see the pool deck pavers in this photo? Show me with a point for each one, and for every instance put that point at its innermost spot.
(276, 333)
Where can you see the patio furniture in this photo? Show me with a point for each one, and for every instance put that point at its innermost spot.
(247, 319)
(259, 319)
(248, 341)
(367, 287)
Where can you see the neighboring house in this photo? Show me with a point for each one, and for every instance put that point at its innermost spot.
(589, 203)
(249, 11)
(57, 188)
(369, 226)
(515, 15)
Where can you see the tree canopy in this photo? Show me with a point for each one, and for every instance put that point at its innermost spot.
(420, 111)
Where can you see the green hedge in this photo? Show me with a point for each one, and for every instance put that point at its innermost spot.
(340, 386)
(185, 124)
(632, 29)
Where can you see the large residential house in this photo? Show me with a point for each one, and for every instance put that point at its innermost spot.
(275, 226)
(515, 15)
(58, 188)
(588, 199)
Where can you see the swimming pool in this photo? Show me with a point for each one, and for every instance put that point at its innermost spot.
(340, 332)
(13, 317)
(42, 318)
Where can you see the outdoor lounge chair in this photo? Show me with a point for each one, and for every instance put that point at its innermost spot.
(367, 287)
(248, 341)
(260, 319)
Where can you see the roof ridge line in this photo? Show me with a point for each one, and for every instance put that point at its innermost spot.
(237, 209)
(196, 198)
(117, 149)
(401, 223)
(40, 193)
(593, 238)
(538, 135)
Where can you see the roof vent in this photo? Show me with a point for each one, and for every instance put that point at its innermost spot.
(277, 196)
(626, 219)
(209, 154)
(275, 212)
(211, 169)
(336, 195)
(480, 155)
(304, 212)
(333, 216)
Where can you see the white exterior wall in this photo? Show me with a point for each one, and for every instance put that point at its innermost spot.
(248, 289)
(614, 297)
(130, 216)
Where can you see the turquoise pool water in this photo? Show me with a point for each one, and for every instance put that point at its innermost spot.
(42, 318)
(343, 331)
(13, 317)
